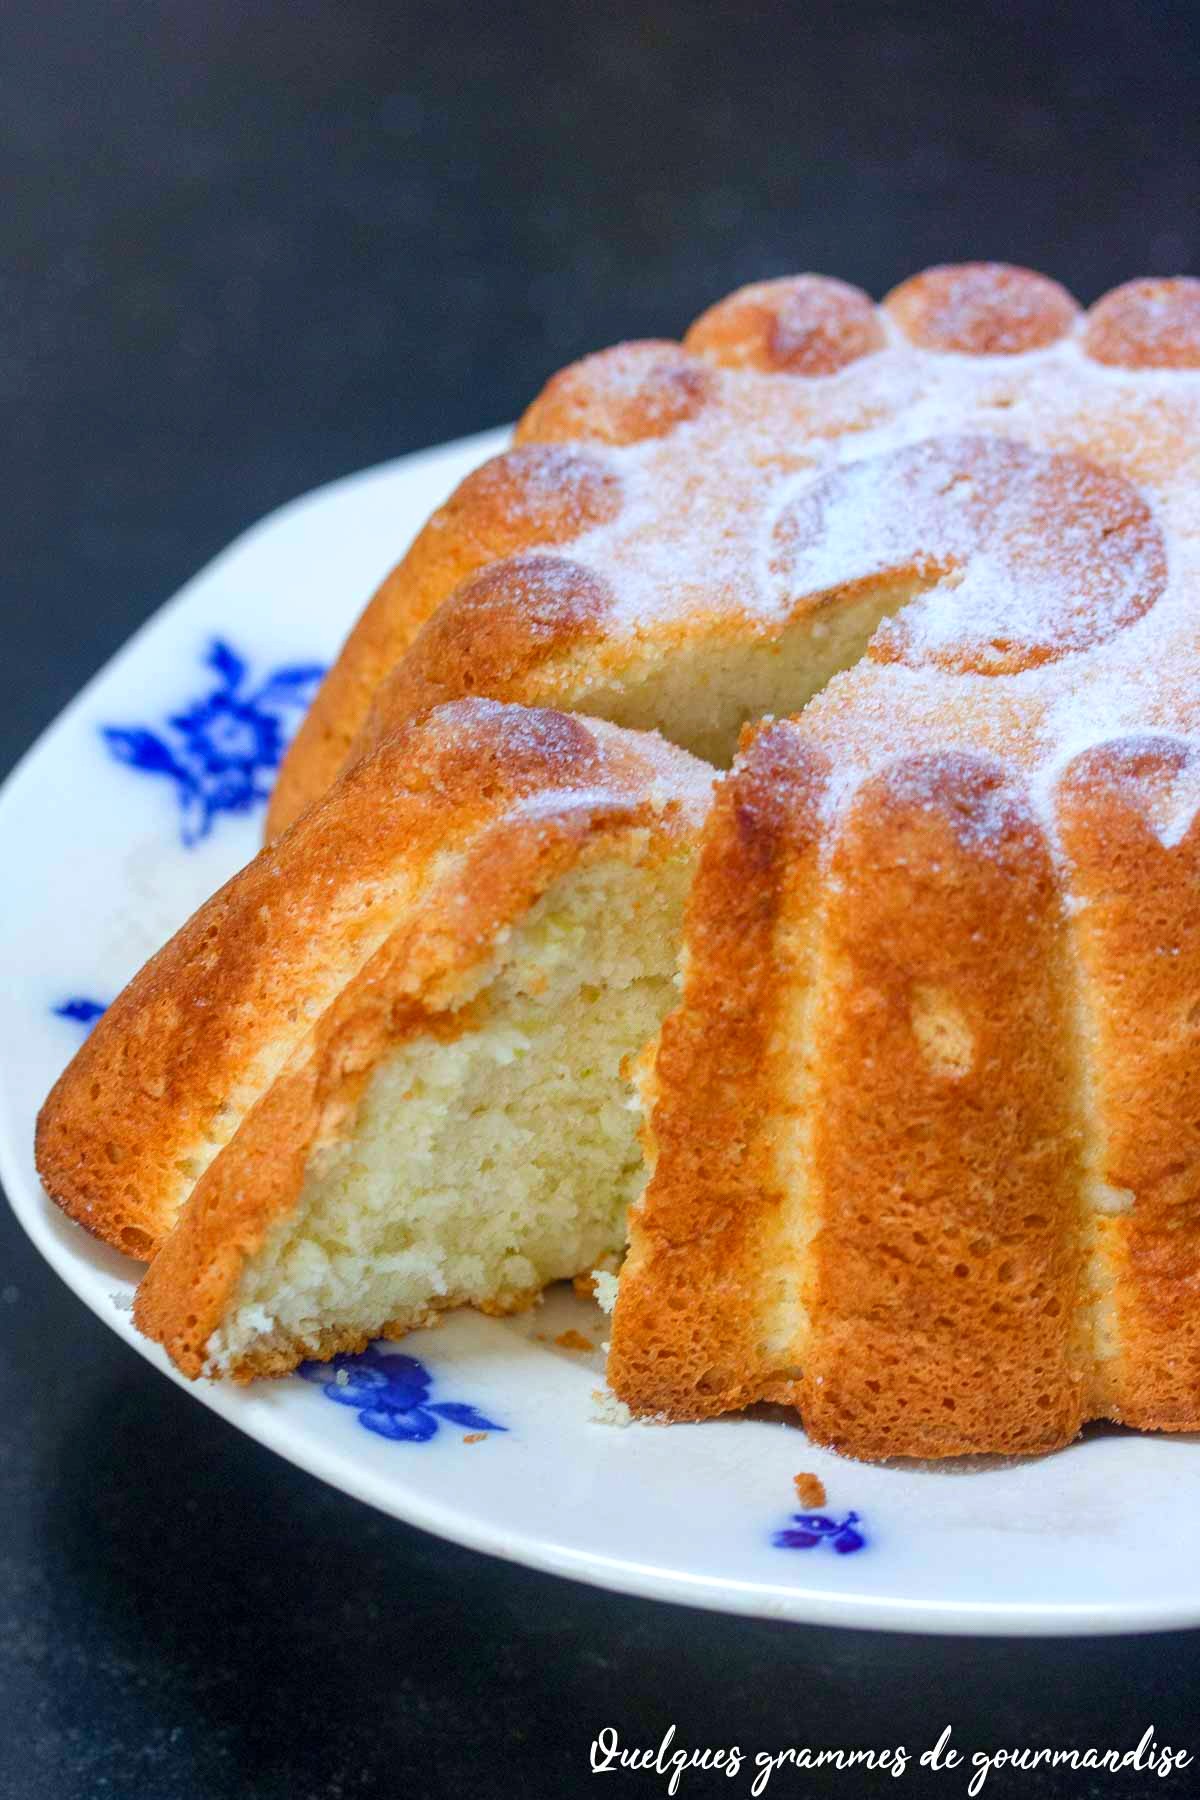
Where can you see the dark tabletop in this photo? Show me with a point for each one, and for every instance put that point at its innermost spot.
(246, 246)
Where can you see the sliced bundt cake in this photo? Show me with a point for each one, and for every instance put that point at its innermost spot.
(380, 1073)
(925, 1128)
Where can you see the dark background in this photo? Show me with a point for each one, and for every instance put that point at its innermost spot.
(246, 246)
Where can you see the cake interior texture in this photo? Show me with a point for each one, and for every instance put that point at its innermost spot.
(524, 1107)
(700, 695)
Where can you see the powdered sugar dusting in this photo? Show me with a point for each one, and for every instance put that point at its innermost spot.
(1026, 556)
(1047, 506)
(1148, 324)
(982, 309)
(568, 487)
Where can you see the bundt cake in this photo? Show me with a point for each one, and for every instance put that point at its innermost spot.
(924, 1129)
(379, 1073)
(689, 537)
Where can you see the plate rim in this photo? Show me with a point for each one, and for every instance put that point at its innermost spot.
(54, 1239)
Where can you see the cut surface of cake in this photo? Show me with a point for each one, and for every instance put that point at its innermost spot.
(426, 1106)
(924, 1128)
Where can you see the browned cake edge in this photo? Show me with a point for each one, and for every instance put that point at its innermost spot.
(203, 1030)
(1136, 925)
(685, 1339)
(541, 494)
(991, 1102)
(411, 987)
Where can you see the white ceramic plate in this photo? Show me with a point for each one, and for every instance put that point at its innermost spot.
(145, 794)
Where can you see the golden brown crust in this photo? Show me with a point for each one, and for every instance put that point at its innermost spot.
(1137, 923)
(800, 325)
(203, 1031)
(686, 1330)
(947, 1141)
(1147, 325)
(982, 309)
(942, 1175)
(619, 396)
(540, 494)
(493, 633)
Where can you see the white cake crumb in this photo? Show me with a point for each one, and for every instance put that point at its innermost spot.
(604, 1289)
(608, 1409)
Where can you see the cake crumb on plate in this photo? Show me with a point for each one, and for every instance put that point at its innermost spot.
(810, 1489)
(573, 1340)
(609, 1410)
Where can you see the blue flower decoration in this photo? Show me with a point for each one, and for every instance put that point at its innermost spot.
(223, 749)
(391, 1395)
(807, 1530)
(80, 1011)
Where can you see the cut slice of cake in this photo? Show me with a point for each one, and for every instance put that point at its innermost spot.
(925, 1125)
(381, 1073)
